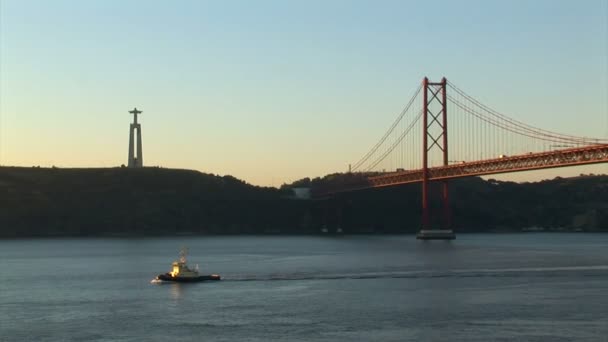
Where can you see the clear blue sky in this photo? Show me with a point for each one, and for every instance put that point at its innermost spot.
(273, 91)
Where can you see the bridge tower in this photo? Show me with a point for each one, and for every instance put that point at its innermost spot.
(135, 161)
(435, 131)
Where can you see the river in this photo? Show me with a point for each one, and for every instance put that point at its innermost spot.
(480, 287)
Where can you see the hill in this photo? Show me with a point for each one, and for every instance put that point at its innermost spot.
(115, 201)
(157, 201)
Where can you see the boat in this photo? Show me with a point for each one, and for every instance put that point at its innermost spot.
(181, 273)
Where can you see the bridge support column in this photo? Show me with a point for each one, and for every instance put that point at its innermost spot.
(333, 216)
(425, 166)
(445, 195)
(441, 141)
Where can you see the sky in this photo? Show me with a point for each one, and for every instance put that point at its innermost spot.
(274, 91)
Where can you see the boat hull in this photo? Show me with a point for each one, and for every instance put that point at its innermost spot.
(178, 279)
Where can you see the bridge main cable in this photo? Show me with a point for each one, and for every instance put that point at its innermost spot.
(521, 126)
(373, 150)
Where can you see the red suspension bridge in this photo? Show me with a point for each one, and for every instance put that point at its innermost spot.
(482, 141)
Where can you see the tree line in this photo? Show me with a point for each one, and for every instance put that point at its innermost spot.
(157, 201)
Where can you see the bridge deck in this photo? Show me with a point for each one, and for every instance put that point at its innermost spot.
(532, 161)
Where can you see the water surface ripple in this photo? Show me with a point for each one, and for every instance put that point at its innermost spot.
(480, 287)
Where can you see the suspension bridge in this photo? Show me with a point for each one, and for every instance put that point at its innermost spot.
(481, 141)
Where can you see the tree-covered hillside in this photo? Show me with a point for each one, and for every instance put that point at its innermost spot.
(157, 201)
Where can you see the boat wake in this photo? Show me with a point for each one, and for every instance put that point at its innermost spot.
(598, 270)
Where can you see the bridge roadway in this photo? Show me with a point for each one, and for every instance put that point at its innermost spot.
(531, 161)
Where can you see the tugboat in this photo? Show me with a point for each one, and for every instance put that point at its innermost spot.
(182, 273)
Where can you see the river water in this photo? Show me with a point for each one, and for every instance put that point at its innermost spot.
(480, 287)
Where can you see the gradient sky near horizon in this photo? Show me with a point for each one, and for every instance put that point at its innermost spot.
(274, 91)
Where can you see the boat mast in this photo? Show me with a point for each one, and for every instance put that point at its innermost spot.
(182, 254)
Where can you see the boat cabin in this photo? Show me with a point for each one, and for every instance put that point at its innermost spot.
(179, 268)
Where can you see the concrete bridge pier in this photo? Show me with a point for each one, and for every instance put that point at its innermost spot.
(436, 234)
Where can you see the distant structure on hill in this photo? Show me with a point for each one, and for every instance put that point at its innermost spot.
(135, 161)
(301, 193)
